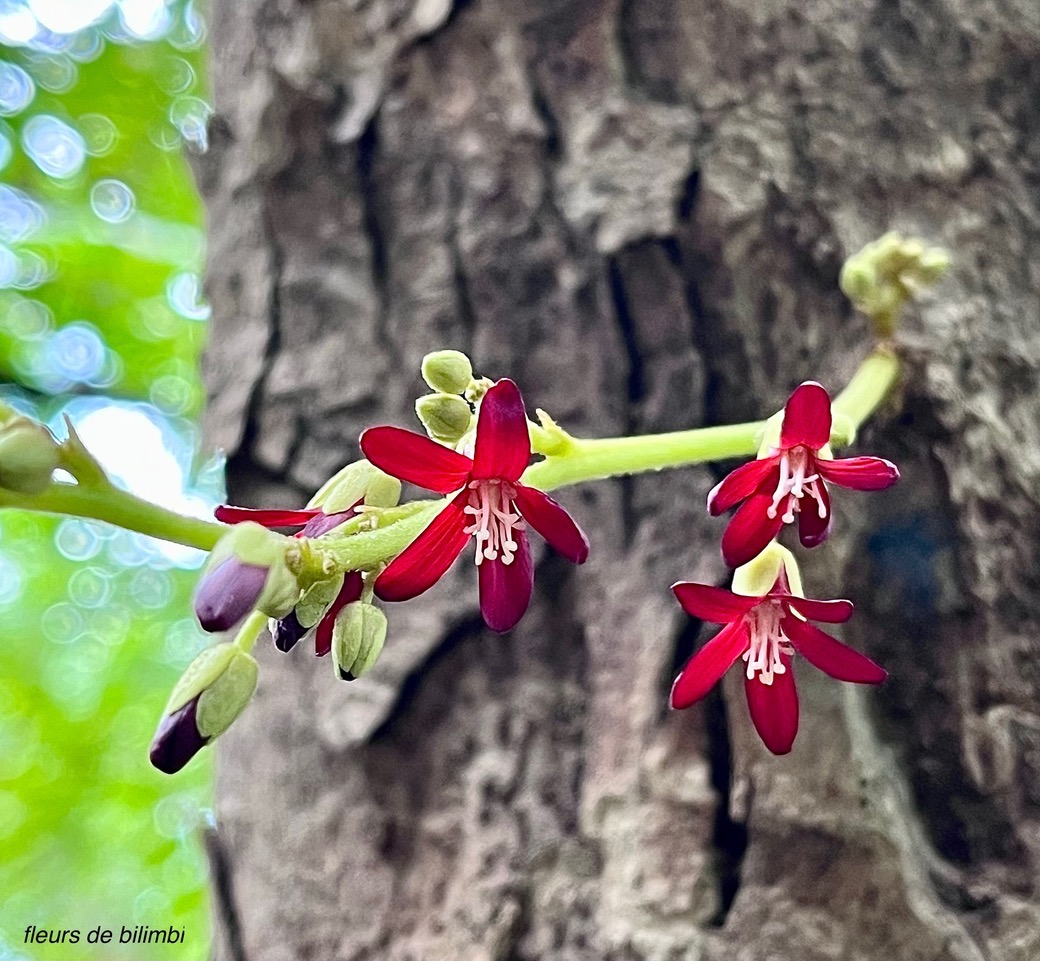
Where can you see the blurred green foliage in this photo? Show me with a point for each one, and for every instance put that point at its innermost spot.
(101, 250)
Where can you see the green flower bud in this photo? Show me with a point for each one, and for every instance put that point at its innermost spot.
(446, 417)
(227, 696)
(448, 371)
(357, 639)
(885, 275)
(200, 674)
(316, 601)
(212, 692)
(29, 455)
(857, 279)
(359, 481)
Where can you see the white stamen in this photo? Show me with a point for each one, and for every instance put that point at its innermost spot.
(767, 643)
(794, 484)
(494, 520)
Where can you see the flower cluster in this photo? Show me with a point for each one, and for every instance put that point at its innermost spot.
(766, 618)
(323, 580)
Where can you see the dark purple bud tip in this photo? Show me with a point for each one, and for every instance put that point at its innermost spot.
(347, 676)
(228, 593)
(287, 632)
(178, 739)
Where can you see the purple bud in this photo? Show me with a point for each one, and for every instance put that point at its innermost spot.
(178, 739)
(287, 632)
(228, 593)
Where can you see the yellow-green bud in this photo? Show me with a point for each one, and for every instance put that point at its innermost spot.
(316, 600)
(446, 417)
(357, 639)
(447, 370)
(359, 481)
(886, 274)
(200, 674)
(29, 455)
(227, 696)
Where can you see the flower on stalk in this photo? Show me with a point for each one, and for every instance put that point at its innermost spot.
(766, 627)
(490, 505)
(317, 608)
(790, 480)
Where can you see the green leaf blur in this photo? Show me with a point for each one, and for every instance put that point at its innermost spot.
(101, 251)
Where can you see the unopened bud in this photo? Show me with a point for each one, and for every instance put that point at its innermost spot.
(211, 693)
(449, 371)
(357, 639)
(885, 275)
(446, 417)
(29, 456)
(246, 570)
(359, 482)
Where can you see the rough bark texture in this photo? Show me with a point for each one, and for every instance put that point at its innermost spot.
(638, 210)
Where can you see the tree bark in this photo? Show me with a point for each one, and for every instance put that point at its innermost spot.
(638, 211)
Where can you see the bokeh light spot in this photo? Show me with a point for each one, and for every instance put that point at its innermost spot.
(16, 89)
(112, 200)
(57, 149)
(99, 133)
(190, 115)
(184, 292)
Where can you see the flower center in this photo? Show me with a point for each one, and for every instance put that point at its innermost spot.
(767, 643)
(495, 520)
(795, 483)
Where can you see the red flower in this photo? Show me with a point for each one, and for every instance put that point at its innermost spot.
(773, 488)
(490, 506)
(766, 632)
(288, 631)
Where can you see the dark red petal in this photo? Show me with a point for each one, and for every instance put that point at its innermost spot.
(353, 584)
(703, 671)
(177, 740)
(418, 567)
(236, 515)
(414, 458)
(228, 593)
(750, 530)
(774, 708)
(505, 589)
(859, 473)
(714, 604)
(807, 417)
(743, 482)
(503, 445)
(830, 612)
(813, 529)
(553, 522)
(830, 655)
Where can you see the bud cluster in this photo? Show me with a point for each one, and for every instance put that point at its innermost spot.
(447, 414)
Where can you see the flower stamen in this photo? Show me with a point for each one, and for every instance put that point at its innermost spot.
(495, 520)
(794, 483)
(767, 643)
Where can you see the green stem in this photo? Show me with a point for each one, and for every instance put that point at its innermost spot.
(120, 508)
(871, 383)
(587, 460)
(250, 631)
